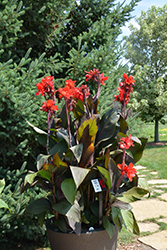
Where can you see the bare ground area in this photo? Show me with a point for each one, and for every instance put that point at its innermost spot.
(154, 144)
(134, 246)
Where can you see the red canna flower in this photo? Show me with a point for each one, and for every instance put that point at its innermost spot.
(126, 142)
(125, 89)
(103, 78)
(94, 75)
(46, 86)
(127, 171)
(49, 106)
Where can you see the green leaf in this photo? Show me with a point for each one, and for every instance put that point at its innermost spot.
(121, 205)
(60, 147)
(138, 149)
(78, 110)
(86, 134)
(45, 174)
(41, 159)
(109, 227)
(69, 189)
(107, 126)
(94, 206)
(123, 125)
(58, 162)
(3, 204)
(79, 174)
(77, 151)
(106, 174)
(129, 221)
(71, 211)
(39, 206)
(62, 207)
(135, 193)
(62, 224)
(38, 130)
(41, 218)
(92, 129)
(2, 185)
(30, 178)
(116, 217)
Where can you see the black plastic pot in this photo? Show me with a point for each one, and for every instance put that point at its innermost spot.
(93, 240)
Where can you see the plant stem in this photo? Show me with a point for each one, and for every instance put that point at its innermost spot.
(48, 124)
(68, 122)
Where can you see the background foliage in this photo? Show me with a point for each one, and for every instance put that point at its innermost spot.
(146, 50)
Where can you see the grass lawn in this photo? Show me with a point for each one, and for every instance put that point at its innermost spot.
(155, 159)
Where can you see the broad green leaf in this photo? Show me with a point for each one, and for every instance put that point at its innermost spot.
(77, 151)
(60, 147)
(79, 174)
(91, 123)
(62, 207)
(38, 130)
(75, 225)
(41, 159)
(2, 185)
(121, 205)
(3, 204)
(133, 194)
(69, 189)
(143, 183)
(88, 148)
(62, 224)
(41, 218)
(45, 174)
(123, 125)
(39, 206)
(65, 208)
(138, 149)
(129, 221)
(30, 178)
(57, 161)
(109, 227)
(78, 110)
(106, 174)
(63, 134)
(107, 126)
(116, 217)
(94, 206)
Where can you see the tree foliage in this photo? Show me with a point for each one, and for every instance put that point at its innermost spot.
(60, 38)
(146, 51)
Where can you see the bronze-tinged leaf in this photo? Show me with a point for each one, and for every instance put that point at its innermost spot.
(57, 161)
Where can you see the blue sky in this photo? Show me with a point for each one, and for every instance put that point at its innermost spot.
(142, 5)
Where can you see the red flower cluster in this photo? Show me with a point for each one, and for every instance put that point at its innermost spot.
(126, 142)
(94, 75)
(70, 91)
(127, 171)
(125, 88)
(49, 106)
(46, 86)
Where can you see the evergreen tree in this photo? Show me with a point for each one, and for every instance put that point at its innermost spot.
(61, 38)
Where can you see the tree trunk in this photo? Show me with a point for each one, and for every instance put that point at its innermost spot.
(156, 133)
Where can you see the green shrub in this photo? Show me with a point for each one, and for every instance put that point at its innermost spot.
(16, 226)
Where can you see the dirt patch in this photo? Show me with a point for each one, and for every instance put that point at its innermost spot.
(154, 144)
(134, 246)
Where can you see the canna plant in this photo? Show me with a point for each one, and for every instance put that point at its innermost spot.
(88, 171)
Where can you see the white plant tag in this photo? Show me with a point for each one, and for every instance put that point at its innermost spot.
(96, 185)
